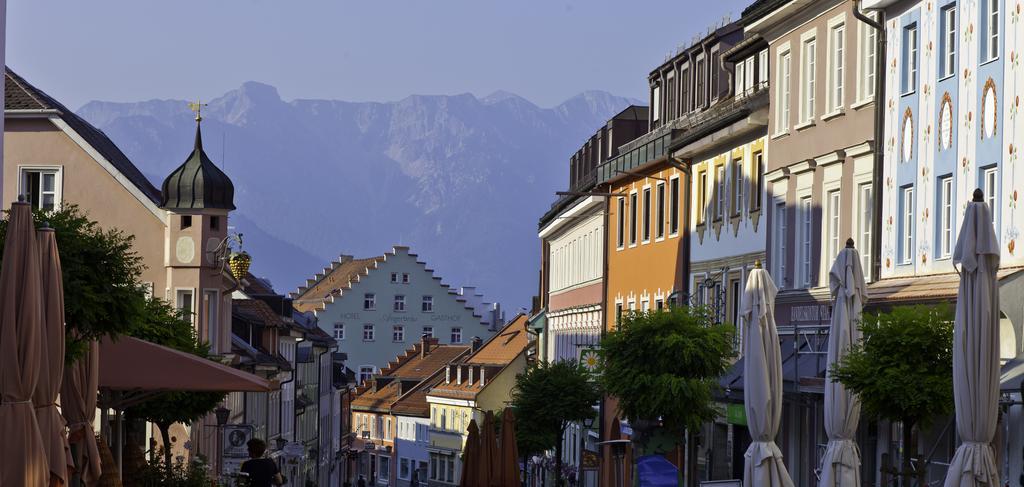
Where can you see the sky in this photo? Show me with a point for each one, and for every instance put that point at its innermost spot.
(368, 50)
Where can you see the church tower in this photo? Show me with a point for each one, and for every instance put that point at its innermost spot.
(197, 197)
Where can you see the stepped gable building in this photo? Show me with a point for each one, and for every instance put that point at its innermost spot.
(480, 382)
(376, 307)
(374, 425)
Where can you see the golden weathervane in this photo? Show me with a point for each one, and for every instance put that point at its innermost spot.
(197, 107)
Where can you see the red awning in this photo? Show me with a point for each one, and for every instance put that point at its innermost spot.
(131, 364)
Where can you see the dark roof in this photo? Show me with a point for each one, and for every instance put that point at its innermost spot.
(257, 286)
(253, 355)
(339, 276)
(198, 183)
(759, 9)
(257, 312)
(20, 95)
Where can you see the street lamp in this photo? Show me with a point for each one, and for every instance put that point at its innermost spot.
(222, 414)
(587, 424)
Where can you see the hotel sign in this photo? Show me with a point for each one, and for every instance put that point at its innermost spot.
(816, 313)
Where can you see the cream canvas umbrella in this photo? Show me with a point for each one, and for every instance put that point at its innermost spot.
(976, 349)
(78, 403)
(22, 455)
(840, 467)
(51, 423)
(762, 383)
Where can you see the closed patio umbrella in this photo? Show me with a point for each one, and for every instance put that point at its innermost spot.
(840, 466)
(22, 455)
(78, 393)
(762, 383)
(509, 451)
(488, 443)
(976, 349)
(469, 456)
(51, 423)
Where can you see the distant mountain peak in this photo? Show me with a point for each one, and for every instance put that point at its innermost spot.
(502, 95)
(461, 178)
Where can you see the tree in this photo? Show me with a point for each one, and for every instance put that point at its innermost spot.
(102, 293)
(546, 399)
(903, 371)
(164, 326)
(663, 367)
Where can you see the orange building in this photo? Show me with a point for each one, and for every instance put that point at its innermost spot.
(648, 244)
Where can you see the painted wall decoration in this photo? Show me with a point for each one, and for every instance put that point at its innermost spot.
(984, 106)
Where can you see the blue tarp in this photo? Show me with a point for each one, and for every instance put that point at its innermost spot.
(656, 471)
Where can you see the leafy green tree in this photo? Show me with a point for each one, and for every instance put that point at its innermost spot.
(546, 399)
(102, 294)
(663, 368)
(164, 326)
(903, 371)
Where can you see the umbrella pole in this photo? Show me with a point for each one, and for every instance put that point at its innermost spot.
(119, 435)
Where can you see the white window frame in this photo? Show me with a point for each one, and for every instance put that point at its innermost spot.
(58, 183)
(808, 76)
(866, 61)
(369, 332)
(369, 301)
(428, 331)
(398, 333)
(948, 27)
(990, 185)
(720, 195)
(833, 203)
(656, 102)
(946, 194)
(645, 222)
(634, 229)
(660, 201)
(779, 236)
(991, 18)
(737, 186)
(784, 90)
(805, 213)
(339, 330)
(366, 371)
(211, 316)
(456, 334)
(702, 196)
(907, 215)
(620, 221)
(762, 67)
(673, 202)
(399, 304)
(740, 78)
(837, 64)
(748, 81)
(865, 212)
(427, 305)
(911, 37)
(178, 292)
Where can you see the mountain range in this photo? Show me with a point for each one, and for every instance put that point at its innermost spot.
(462, 180)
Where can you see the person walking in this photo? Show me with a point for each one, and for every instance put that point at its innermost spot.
(262, 471)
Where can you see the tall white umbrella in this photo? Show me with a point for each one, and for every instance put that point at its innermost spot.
(762, 383)
(840, 466)
(976, 349)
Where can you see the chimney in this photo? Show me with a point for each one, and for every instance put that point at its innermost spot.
(477, 343)
(424, 345)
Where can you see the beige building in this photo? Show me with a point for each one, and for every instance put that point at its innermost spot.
(55, 158)
(820, 187)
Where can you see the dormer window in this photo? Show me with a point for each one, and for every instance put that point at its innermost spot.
(186, 222)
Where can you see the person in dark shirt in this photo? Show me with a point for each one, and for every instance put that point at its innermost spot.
(263, 472)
